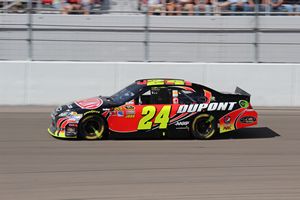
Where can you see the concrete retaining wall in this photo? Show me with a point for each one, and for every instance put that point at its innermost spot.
(47, 83)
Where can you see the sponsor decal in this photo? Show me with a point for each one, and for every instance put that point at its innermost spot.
(205, 106)
(227, 127)
(143, 82)
(175, 93)
(75, 116)
(92, 112)
(175, 100)
(248, 120)
(164, 82)
(113, 113)
(73, 125)
(188, 83)
(174, 82)
(208, 96)
(118, 109)
(244, 104)
(175, 96)
(182, 123)
(155, 82)
(129, 107)
(120, 113)
(227, 119)
(130, 113)
(64, 114)
(91, 103)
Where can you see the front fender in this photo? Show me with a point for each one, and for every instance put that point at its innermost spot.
(65, 126)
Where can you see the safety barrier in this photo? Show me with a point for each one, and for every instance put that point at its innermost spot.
(49, 83)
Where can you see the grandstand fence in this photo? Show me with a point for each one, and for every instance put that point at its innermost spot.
(134, 36)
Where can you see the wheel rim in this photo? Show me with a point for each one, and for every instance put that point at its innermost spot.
(204, 127)
(93, 128)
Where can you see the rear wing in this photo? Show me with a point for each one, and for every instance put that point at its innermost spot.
(241, 92)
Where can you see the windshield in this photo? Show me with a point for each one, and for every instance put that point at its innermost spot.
(126, 94)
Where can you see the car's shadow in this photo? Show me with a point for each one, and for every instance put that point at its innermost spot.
(246, 133)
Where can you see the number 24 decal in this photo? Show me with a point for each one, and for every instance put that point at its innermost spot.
(162, 118)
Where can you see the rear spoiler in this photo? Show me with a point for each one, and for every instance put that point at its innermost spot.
(241, 92)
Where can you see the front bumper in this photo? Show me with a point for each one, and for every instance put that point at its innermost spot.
(65, 126)
(54, 134)
(61, 133)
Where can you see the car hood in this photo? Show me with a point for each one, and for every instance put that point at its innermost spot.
(94, 103)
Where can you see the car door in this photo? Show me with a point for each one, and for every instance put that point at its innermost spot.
(149, 111)
(155, 110)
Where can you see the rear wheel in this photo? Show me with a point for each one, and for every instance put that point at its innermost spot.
(204, 127)
(92, 127)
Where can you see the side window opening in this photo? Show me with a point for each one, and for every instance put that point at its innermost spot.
(161, 95)
(144, 99)
(155, 95)
(190, 97)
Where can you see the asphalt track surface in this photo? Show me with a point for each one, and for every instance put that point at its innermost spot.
(261, 163)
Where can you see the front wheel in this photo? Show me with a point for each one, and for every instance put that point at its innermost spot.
(203, 127)
(92, 127)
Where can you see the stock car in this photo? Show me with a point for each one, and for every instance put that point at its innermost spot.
(155, 107)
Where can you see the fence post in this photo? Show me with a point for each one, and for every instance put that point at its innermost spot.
(29, 27)
(256, 27)
(146, 42)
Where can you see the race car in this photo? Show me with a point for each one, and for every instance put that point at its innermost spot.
(155, 107)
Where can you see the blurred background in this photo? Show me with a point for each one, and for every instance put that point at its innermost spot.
(154, 30)
(70, 48)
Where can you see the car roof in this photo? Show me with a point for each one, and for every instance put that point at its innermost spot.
(163, 81)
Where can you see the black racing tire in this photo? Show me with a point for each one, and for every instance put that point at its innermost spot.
(204, 127)
(92, 127)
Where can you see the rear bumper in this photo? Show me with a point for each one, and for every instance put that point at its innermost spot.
(237, 119)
